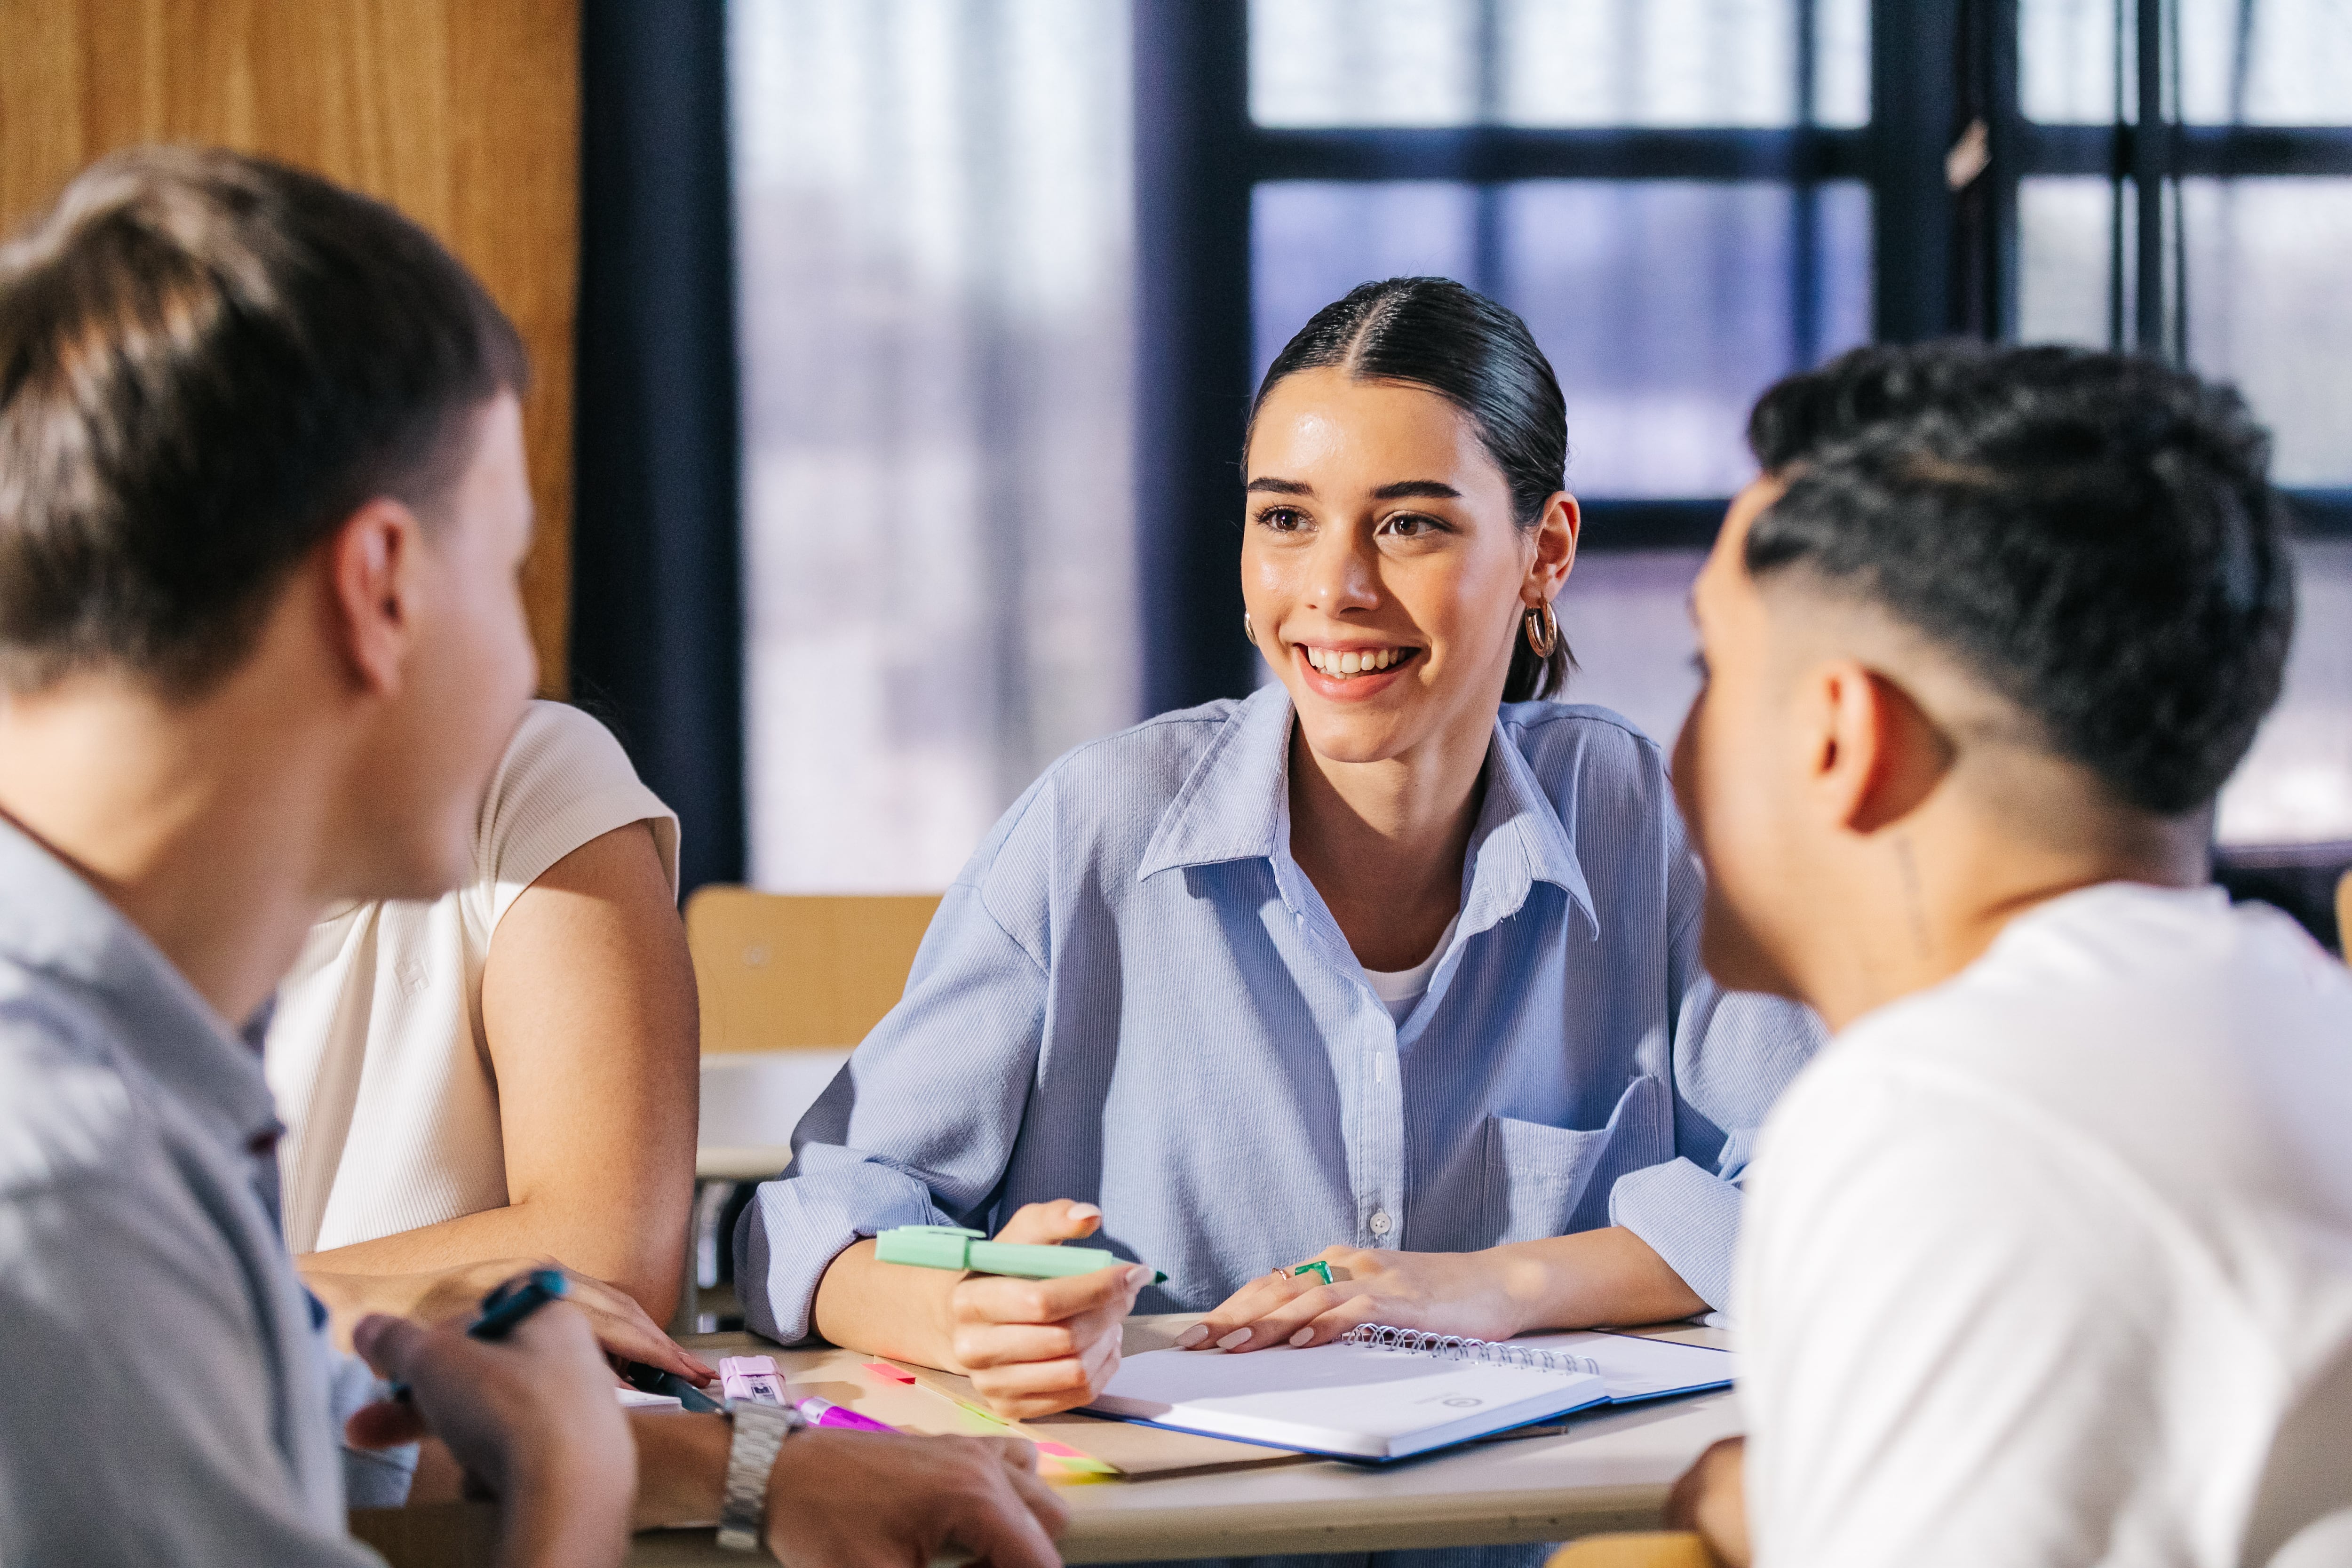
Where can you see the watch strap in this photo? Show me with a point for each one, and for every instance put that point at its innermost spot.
(761, 1429)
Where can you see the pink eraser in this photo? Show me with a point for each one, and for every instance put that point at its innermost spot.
(751, 1377)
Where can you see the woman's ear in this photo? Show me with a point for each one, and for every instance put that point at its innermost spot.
(1556, 532)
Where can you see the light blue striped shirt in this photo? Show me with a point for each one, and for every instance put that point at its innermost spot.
(1133, 996)
(171, 1396)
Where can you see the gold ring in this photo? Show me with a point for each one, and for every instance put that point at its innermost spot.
(1282, 1274)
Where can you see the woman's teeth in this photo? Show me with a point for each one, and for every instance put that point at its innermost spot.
(1347, 664)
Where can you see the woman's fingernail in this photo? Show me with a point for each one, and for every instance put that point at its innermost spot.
(1085, 1211)
(1238, 1337)
(1302, 1336)
(1139, 1275)
(1191, 1336)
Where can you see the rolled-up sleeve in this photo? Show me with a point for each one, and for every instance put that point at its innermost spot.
(917, 1129)
(1734, 1052)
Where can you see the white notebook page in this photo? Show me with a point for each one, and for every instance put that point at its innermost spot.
(1344, 1399)
(1637, 1368)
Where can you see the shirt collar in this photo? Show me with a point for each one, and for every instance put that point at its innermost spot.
(1235, 805)
(56, 925)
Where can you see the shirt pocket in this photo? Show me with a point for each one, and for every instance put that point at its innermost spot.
(1548, 1181)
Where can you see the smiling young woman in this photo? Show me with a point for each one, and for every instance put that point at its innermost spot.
(1393, 955)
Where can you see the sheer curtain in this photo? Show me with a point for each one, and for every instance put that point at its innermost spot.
(934, 271)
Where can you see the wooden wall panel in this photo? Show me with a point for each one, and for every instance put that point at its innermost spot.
(463, 113)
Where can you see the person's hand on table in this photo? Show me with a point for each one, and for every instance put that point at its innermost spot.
(1473, 1294)
(531, 1418)
(1033, 1347)
(850, 1500)
(619, 1325)
(1711, 1498)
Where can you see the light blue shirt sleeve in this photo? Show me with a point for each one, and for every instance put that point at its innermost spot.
(908, 1133)
(1734, 1052)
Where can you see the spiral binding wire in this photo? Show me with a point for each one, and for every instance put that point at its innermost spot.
(1454, 1347)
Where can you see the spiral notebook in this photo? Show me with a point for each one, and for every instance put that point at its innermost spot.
(1376, 1393)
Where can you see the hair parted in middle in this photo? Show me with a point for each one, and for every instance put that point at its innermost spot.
(1434, 333)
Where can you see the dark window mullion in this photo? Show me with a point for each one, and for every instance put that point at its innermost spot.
(1499, 154)
(2215, 152)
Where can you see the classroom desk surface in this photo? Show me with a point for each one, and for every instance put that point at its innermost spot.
(1605, 1472)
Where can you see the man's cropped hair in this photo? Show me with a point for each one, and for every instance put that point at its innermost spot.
(207, 362)
(2094, 536)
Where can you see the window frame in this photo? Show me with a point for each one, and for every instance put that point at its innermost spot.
(1944, 258)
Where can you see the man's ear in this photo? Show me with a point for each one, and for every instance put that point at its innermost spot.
(1556, 533)
(1877, 753)
(371, 566)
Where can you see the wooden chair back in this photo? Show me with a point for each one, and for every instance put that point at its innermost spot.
(1644, 1549)
(2344, 916)
(784, 971)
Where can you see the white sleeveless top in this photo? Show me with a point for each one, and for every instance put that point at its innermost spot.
(376, 1054)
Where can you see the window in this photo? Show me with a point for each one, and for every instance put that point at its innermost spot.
(2213, 229)
(1647, 195)
(933, 212)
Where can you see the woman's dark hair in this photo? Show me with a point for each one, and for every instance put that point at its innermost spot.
(1433, 332)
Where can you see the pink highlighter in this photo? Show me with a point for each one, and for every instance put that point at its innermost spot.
(755, 1377)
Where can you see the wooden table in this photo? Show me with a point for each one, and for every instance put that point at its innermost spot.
(1605, 1472)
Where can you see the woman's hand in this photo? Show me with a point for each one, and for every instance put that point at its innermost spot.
(1035, 1346)
(619, 1325)
(1594, 1278)
(1474, 1294)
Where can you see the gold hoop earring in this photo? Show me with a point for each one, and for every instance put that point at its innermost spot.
(1542, 628)
(1248, 630)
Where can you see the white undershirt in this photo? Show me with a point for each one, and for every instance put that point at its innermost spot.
(1399, 989)
(2038, 1264)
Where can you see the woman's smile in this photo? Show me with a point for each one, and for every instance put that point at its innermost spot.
(1351, 671)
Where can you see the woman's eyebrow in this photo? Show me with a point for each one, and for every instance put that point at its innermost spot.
(1281, 487)
(1432, 490)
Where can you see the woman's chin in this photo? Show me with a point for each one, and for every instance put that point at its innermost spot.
(1354, 736)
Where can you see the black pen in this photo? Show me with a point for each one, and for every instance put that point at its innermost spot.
(654, 1380)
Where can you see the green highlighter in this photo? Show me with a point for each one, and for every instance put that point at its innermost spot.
(952, 1246)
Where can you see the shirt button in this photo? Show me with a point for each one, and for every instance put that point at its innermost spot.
(1380, 1222)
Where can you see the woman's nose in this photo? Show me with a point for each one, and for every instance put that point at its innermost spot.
(1343, 574)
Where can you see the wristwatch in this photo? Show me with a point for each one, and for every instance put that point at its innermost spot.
(761, 1429)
